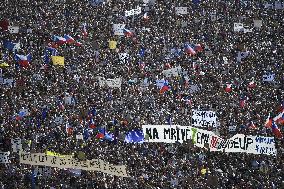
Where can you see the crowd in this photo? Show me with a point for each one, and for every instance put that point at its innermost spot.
(157, 44)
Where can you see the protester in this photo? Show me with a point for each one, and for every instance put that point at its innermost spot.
(237, 74)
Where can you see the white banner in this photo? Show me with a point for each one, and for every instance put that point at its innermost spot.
(123, 57)
(181, 10)
(268, 77)
(172, 72)
(112, 83)
(4, 157)
(208, 139)
(14, 29)
(118, 29)
(133, 12)
(204, 118)
(71, 163)
(238, 27)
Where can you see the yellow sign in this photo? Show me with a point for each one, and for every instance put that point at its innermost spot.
(58, 60)
(112, 44)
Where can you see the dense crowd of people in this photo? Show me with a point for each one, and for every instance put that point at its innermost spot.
(157, 44)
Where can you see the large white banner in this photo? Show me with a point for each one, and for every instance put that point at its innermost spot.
(71, 163)
(208, 139)
(204, 118)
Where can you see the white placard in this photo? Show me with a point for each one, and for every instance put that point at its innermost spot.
(13, 29)
(278, 5)
(112, 83)
(133, 12)
(173, 72)
(118, 29)
(204, 118)
(71, 163)
(5, 157)
(16, 144)
(8, 82)
(123, 57)
(238, 27)
(181, 10)
(194, 89)
(58, 120)
(268, 77)
(257, 23)
(79, 137)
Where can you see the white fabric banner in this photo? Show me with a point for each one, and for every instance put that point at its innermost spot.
(204, 118)
(71, 163)
(208, 139)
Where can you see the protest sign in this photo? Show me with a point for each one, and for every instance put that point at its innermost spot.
(208, 139)
(238, 27)
(112, 44)
(16, 144)
(204, 118)
(4, 157)
(244, 143)
(118, 29)
(8, 82)
(13, 29)
(166, 133)
(257, 23)
(181, 10)
(172, 72)
(194, 89)
(112, 83)
(123, 57)
(268, 77)
(133, 12)
(72, 163)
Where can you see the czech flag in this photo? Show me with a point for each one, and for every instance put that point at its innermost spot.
(268, 122)
(228, 88)
(276, 131)
(127, 33)
(279, 119)
(59, 40)
(252, 125)
(23, 60)
(189, 50)
(198, 48)
(69, 129)
(165, 88)
(92, 124)
(84, 30)
(69, 39)
(145, 16)
(251, 85)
